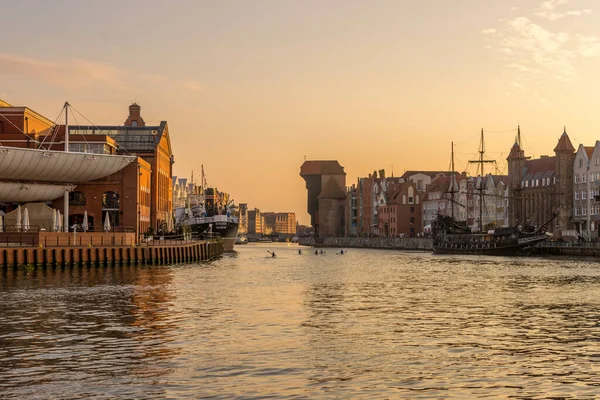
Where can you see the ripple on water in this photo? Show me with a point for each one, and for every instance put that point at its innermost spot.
(370, 324)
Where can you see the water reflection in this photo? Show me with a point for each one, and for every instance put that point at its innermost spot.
(104, 326)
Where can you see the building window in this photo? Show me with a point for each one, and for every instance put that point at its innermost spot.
(412, 209)
(576, 178)
(583, 178)
(410, 200)
(576, 195)
(576, 211)
(583, 194)
(537, 182)
(77, 199)
(583, 210)
(592, 177)
(412, 220)
(110, 207)
(526, 183)
(554, 181)
(580, 162)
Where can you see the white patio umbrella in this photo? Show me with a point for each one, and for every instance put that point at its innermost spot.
(107, 223)
(169, 223)
(54, 228)
(18, 223)
(59, 221)
(84, 224)
(26, 219)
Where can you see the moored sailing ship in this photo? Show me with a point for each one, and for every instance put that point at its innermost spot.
(453, 237)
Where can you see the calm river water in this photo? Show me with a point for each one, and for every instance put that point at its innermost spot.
(369, 324)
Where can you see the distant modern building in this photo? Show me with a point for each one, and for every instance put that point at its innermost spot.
(326, 184)
(254, 222)
(268, 223)
(285, 223)
(243, 219)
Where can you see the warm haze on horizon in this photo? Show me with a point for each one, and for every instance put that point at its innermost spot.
(251, 88)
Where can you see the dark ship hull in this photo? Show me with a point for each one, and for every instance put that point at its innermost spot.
(218, 225)
(450, 237)
(487, 245)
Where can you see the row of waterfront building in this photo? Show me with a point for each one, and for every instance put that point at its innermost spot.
(140, 198)
(566, 184)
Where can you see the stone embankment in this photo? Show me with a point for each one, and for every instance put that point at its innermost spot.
(425, 244)
(419, 244)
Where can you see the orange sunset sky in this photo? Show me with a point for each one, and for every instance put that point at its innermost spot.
(250, 88)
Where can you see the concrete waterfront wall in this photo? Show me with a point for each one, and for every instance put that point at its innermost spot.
(109, 255)
(423, 244)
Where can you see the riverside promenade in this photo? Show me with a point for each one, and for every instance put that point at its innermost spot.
(548, 248)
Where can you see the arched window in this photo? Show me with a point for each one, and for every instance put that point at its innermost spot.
(133, 123)
(77, 198)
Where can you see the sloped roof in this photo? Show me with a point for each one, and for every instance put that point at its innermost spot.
(500, 178)
(432, 174)
(327, 167)
(515, 152)
(539, 168)
(564, 143)
(541, 164)
(589, 150)
(332, 191)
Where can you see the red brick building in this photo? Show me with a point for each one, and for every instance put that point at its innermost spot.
(138, 197)
(401, 213)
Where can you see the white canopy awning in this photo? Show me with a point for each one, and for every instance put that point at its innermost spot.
(15, 192)
(58, 166)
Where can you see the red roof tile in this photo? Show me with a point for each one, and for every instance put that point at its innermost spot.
(542, 164)
(564, 143)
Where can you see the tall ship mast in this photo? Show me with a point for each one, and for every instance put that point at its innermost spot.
(481, 162)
